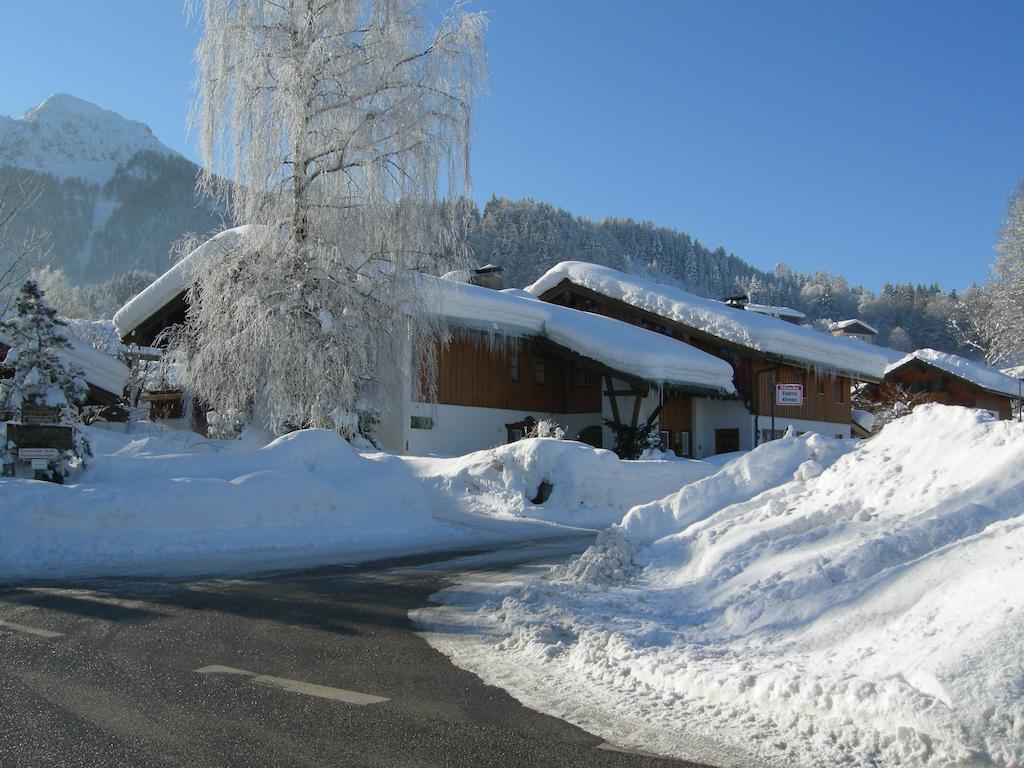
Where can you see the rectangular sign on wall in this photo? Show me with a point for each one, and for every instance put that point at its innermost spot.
(789, 394)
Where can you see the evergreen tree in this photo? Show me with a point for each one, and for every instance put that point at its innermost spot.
(40, 376)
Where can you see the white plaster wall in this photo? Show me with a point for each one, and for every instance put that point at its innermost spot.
(626, 405)
(461, 429)
(709, 415)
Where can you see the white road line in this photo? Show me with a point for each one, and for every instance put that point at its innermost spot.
(296, 686)
(30, 630)
(92, 597)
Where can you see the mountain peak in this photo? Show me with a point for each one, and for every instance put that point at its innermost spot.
(68, 136)
(64, 106)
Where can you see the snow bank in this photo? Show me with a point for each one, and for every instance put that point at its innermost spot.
(753, 473)
(173, 502)
(987, 378)
(865, 610)
(585, 486)
(749, 329)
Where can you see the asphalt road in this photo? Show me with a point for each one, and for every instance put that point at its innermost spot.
(316, 668)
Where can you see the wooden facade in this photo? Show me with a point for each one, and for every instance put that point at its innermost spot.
(826, 394)
(527, 375)
(676, 424)
(930, 384)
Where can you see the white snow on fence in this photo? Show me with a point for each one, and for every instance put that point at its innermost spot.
(623, 347)
(759, 332)
(981, 375)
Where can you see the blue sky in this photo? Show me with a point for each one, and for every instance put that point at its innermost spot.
(877, 140)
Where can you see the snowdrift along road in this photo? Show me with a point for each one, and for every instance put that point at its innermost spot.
(815, 602)
(173, 502)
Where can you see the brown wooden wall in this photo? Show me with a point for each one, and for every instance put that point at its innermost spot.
(820, 401)
(936, 387)
(675, 418)
(472, 372)
(816, 407)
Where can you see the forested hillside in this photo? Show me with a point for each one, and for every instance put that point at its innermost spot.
(129, 222)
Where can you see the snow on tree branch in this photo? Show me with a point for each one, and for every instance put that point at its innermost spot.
(339, 128)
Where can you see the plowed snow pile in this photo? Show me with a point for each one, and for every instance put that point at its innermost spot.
(173, 502)
(813, 603)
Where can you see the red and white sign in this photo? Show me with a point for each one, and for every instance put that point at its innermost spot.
(789, 394)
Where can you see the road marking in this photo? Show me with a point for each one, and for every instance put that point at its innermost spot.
(30, 630)
(296, 686)
(92, 597)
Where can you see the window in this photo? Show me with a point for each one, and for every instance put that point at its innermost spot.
(821, 384)
(684, 443)
(767, 435)
(663, 438)
(421, 422)
(838, 383)
(580, 375)
(538, 370)
(513, 365)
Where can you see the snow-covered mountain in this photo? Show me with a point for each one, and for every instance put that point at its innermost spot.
(66, 136)
(113, 197)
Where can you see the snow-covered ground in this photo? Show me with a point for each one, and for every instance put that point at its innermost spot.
(161, 501)
(814, 602)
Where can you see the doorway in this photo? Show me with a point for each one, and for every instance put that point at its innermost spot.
(727, 440)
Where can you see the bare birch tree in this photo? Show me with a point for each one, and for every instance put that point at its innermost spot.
(335, 129)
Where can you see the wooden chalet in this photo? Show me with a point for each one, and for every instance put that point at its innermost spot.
(854, 329)
(785, 375)
(928, 375)
(513, 360)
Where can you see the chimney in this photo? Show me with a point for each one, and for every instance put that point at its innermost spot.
(488, 276)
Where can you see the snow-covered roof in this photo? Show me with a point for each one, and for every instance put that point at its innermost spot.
(773, 311)
(987, 378)
(1016, 371)
(102, 371)
(620, 346)
(768, 335)
(842, 325)
(173, 282)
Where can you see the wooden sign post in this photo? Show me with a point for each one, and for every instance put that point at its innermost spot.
(38, 443)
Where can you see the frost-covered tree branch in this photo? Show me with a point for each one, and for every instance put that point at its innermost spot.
(16, 258)
(991, 320)
(338, 127)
